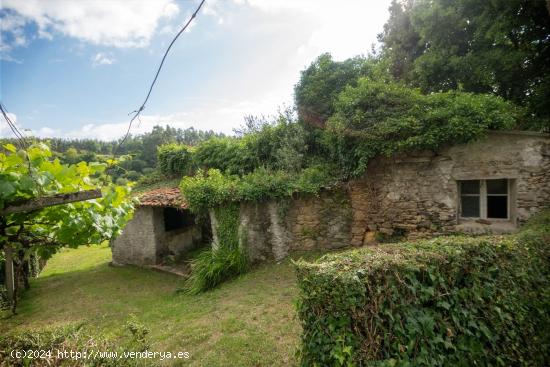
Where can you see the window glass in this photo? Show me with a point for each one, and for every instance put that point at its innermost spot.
(497, 206)
(497, 187)
(469, 187)
(470, 206)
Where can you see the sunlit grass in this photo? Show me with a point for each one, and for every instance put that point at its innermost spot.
(249, 321)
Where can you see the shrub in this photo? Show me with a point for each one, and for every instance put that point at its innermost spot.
(208, 189)
(211, 189)
(121, 181)
(151, 178)
(174, 159)
(382, 118)
(132, 175)
(148, 170)
(229, 155)
(450, 301)
(74, 337)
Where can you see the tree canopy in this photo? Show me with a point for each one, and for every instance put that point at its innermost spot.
(500, 47)
(321, 82)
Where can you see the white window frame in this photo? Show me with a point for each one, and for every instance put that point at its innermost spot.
(483, 200)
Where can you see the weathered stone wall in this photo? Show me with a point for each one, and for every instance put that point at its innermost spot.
(137, 244)
(418, 194)
(145, 242)
(270, 230)
(413, 195)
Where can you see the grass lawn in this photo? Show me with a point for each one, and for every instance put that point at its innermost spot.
(249, 321)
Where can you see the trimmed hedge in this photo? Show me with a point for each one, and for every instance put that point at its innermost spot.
(450, 301)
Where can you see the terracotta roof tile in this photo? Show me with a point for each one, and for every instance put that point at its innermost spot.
(164, 196)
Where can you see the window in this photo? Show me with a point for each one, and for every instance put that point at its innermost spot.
(177, 219)
(486, 199)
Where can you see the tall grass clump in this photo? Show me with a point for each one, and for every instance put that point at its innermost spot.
(214, 266)
(225, 260)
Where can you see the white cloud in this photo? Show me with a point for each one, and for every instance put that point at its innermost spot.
(274, 40)
(11, 35)
(227, 116)
(102, 59)
(344, 28)
(43, 132)
(118, 23)
(5, 130)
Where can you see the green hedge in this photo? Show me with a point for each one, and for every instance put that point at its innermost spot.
(212, 188)
(450, 301)
(175, 159)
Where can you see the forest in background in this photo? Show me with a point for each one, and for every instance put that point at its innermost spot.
(140, 150)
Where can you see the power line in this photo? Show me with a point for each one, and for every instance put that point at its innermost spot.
(137, 112)
(22, 142)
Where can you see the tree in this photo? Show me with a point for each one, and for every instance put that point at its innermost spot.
(32, 173)
(500, 47)
(321, 82)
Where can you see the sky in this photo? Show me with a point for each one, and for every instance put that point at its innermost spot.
(75, 69)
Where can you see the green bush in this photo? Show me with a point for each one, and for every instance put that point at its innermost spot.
(211, 189)
(132, 175)
(450, 301)
(121, 181)
(229, 155)
(79, 338)
(212, 267)
(148, 170)
(174, 159)
(208, 189)
(382, 118)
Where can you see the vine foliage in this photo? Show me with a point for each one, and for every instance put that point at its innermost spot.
(30, 173)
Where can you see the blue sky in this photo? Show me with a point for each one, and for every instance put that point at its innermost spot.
(77, 68)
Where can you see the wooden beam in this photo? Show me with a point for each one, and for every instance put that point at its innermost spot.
(46, 201)
(10, 279)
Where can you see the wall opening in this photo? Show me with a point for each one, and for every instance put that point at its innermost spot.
(177, 219)
(485, 199)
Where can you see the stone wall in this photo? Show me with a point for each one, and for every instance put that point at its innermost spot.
(144, 240)
(137, 243)
(414, 195)
(270, 230)
(417, 195)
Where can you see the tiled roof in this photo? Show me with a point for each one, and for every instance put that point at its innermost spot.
(164, 196)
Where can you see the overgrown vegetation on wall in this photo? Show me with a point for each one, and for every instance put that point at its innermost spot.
(370, 119)
(224, 260)
(212, 188)
(451, 301)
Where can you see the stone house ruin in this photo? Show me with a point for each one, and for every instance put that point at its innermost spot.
(162, 225)
(491, 185)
